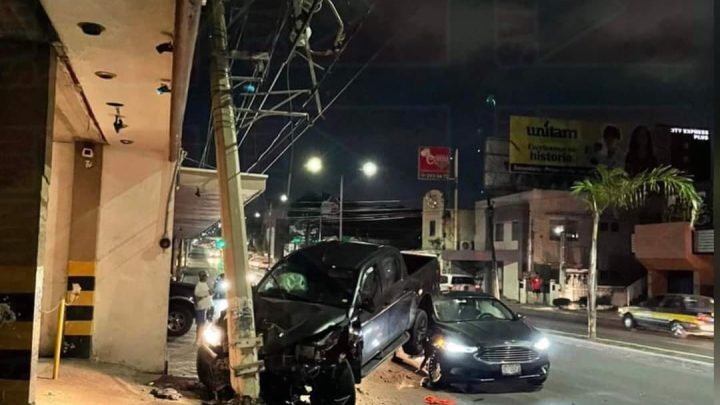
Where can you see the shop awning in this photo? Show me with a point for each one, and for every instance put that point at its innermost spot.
(197, 200)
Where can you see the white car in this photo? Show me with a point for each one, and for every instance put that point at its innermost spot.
(457, 282)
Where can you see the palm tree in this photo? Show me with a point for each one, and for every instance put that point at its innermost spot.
(614, 188)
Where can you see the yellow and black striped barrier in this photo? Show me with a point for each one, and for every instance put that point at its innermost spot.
(17, 309)
(78, 331)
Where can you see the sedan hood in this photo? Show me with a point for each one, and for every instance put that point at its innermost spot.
(490, 332)
(284, 322)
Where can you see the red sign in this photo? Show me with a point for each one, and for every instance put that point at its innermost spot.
(433, 163)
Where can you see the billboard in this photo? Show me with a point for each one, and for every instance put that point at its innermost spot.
(559, 146)
(433, 163)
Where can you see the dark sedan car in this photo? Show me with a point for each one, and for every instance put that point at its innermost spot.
(477, 338)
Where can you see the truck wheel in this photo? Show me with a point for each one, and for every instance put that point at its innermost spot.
(180, 319)
(416, 345)
(334, 387)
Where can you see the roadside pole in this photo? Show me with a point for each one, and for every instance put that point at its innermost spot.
(494, 280)
(561, 269)
(455, 198)
(243, 344)
(340, 225)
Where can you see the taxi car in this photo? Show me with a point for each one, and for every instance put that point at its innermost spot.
(679, 314)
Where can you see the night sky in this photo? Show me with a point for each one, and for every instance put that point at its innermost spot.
(633, 61)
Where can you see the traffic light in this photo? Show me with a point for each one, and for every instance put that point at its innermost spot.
(220, 243)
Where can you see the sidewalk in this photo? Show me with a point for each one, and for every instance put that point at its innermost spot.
(84, 382)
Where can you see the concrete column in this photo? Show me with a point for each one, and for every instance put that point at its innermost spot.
(657, 283)
(82, 250)
(27, 83)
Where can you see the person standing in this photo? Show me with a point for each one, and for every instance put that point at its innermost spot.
(536, 285)
(203, 302)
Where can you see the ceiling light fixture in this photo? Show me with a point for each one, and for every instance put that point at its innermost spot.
(90, 28)
(126, 141)
(164, 47)
(105, 75)
(118, 124)
(163, 89)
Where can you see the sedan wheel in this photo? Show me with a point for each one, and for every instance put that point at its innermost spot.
(678, 330)
(435, 374)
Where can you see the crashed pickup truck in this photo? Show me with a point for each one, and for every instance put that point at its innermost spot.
(329, 315)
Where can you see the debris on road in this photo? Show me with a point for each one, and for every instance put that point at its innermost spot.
(166, 393)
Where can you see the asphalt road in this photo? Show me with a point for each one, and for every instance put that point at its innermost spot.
(610, 328)
(582, 373)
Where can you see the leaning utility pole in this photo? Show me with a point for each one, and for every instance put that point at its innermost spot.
(243, 344)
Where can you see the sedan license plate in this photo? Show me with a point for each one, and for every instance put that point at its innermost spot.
(511, 369)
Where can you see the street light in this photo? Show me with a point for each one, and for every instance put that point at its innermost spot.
(314, 165)
(369, 169)
(257, 215)
(284, 198)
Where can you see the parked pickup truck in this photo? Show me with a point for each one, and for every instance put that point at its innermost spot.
(330, 314)
(181, 308)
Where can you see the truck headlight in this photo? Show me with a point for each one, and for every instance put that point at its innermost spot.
(542, 344)
(212, 335)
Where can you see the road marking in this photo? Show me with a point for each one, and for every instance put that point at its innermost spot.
(634, 347)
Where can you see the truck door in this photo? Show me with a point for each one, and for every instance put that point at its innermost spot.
(373, 316)
(397, 296)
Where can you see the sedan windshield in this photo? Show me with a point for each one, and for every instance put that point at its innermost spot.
(301, 278)
(471, 309)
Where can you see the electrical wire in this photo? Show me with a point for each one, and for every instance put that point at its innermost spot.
(316, 88)
(301, 31)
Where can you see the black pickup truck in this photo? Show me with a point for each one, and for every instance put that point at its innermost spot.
(329, 314)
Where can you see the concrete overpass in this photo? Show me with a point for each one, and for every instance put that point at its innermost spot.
(88, 173)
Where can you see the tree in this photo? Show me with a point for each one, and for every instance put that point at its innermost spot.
(614, 188)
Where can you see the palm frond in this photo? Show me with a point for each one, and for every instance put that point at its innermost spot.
(613, 187)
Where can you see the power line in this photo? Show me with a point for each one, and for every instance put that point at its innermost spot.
(312, 94)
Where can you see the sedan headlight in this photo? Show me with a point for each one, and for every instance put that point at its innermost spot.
(452, 347)
(212, 335)
(542, 344)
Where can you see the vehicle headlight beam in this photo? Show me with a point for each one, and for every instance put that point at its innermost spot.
(212, 335)
(542, 344)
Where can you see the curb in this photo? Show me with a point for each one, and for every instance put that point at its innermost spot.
(636, 348)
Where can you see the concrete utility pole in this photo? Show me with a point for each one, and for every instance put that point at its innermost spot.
(494, 280)
(455, 201)
(243, 344)
(340, 216)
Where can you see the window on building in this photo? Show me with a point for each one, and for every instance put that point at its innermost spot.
(433, 229)
(569, 226)
(515, 231)
(615, 227)
(603, 226)
(499, 232)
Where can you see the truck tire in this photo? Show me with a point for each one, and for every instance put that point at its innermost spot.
(180, 319)
(416, 345)
(334, 387)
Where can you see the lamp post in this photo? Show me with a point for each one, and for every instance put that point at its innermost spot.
(314, 165)
(560, 231)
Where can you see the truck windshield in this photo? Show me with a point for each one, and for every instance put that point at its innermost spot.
(471, 309)
(301, 278)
